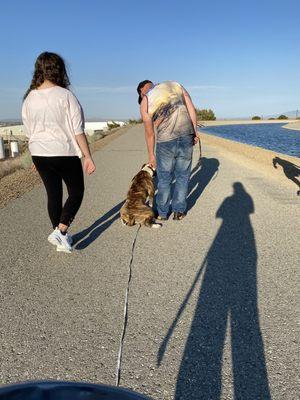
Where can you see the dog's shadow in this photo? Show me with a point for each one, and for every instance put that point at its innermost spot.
(290, 170)
(87, 236)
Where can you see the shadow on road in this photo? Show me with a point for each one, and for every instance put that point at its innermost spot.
(290, 170)
(83, 239)
(200, 178)
(201, 175)
(205, 171)
(227, 300)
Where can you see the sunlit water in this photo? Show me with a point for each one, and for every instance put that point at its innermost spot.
(269, 136)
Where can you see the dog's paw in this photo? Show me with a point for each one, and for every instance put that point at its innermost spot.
(123, 222)
(156, 225)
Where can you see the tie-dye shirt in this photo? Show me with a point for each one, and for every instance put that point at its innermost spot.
(167, 108)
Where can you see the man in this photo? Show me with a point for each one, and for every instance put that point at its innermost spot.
(168, 109)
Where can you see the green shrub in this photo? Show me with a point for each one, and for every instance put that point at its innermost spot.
(282, 116)
(256, 118)
(205, 115)
(96, 136)
(112, 125)
(135, 121)
(26, 160)
(90, 139)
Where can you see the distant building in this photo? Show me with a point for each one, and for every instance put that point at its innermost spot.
(91, 127)
(17, 131)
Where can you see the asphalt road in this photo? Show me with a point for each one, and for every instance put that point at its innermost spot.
(213, 302)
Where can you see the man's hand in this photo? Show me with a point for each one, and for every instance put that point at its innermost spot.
(152, 162)
(88, 165)
(196, 139)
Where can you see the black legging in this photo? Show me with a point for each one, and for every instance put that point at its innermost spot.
(54, 170)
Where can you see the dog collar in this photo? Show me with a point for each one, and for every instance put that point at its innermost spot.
(148, 169)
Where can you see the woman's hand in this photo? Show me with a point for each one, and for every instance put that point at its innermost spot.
(88, 165)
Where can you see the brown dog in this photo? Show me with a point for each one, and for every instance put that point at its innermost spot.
(135, 210)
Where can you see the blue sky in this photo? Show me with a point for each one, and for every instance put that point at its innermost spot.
(237, 57)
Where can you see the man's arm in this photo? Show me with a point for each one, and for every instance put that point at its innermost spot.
(192, 112)
(149, 131)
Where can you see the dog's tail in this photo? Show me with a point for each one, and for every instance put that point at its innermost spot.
(126, 218)
(141, 214)
(149, 219)
(127, 221)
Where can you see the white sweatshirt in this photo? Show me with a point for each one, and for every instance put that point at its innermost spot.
(52, 117)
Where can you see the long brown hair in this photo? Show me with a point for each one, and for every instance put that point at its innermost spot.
(49, 66)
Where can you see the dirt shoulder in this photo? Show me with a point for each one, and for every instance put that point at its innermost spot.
(22, 181)
(293, 125)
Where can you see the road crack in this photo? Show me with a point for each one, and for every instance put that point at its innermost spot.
(125, 315)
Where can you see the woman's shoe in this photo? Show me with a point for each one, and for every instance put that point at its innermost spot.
(54, 237)
(62, 242)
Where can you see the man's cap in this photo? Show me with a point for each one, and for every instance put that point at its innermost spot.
(139, 88)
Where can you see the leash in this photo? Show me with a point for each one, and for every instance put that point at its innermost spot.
(199, 142)
(125, 315)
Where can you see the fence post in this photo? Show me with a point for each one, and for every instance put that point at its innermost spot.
(14, 147)
(2, 150)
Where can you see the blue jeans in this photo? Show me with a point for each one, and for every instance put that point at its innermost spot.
(174, 160)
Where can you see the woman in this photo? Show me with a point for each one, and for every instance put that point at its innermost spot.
(54, 124)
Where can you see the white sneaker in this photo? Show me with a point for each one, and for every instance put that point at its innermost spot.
(63, 247)
(63, 242)
(54, 237)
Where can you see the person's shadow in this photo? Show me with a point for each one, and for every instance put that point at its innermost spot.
(227, 298)
(290, 170)
(87, 236)
(201, 175)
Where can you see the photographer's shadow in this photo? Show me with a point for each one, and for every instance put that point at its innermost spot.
(227, 302)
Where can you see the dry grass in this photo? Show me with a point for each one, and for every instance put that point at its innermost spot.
(9, 166)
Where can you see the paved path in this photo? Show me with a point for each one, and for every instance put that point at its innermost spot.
(213, 301)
